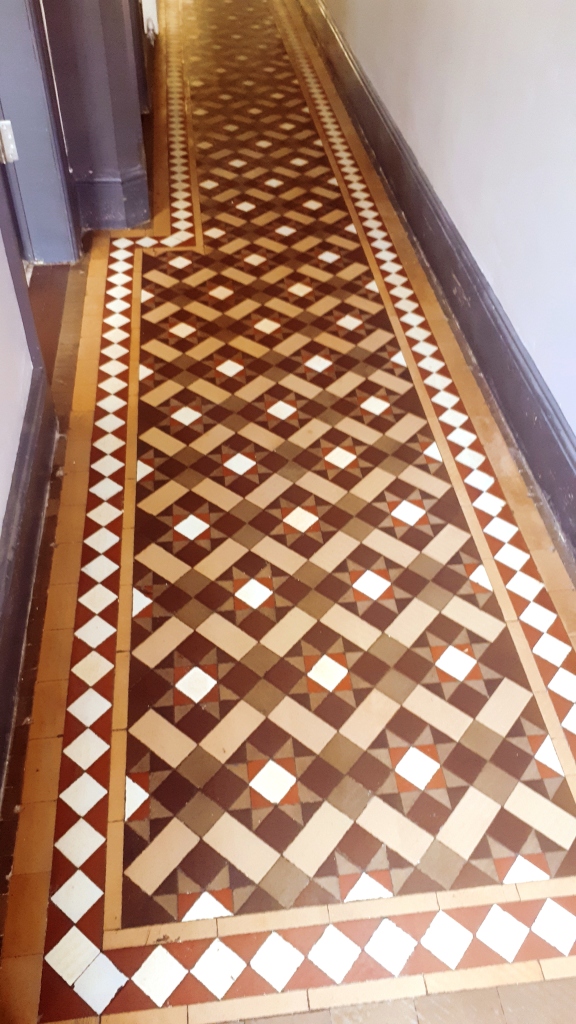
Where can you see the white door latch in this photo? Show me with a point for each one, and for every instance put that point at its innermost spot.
(8, 151)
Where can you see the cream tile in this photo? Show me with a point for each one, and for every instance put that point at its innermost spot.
(167, 1015)
(334, 551)
(162, 351)
(300, 386)
(161, 312)
(372, 485)
(318, 839)
(273, 920)
(365, 910)
(252, 348)
(163, 738)
(163, 855)
(471, 617)
(541, 814)
(484, 977)
(204, 349)
(160, 644)
(321, 487)
(437, 712)
(306, 727)
(162, 563)
(411, 623)
(219, 560)
(278, 554)
(467, 824)
(217, 494)
(256, 387)
(211, 439)
(262, 437)
(390, 382)
(368, 720)
(559, 967)
(271, 489)
(504, 707)
(397, 831)
(292, 344)
(359, 431)
(424, 481)
(231, 731)
(382, 991)
(162, 441)
(288, 631)
(390, 547)
(345, 384)
(446, 543)
(351, 626)
(242, 847)
(226, 635)
(406, 428)
(162, 393)
(162, 498)
(310, 433)
(206, 389)
(244, 1008)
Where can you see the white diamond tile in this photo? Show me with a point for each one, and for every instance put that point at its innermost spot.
(512, 556)
(72, 955)
(349, 322)
(267, 326)
(301, 519)
(525, 586)
(391, 947)
(100, 568)
(139, 602)
(371, 585)
(455, 663)
(340, 457)
(79, 843)
(547, 755)
(99, 983)
(327, 672)
(95, 631)
(564, 683)
(218, 968)
(282, 410)
(186, 416)
(92, 668)
(557, 926)
(77, 896)
(538, 617)
(334, 953)
(375, 405)
(273, 782)
(136, 795)
(159, 975)
(206, 908)
(86, 749)
(83, 794)
(318, 363)
(480, 576)
(502, 933)
(230, 368)
(254, 593)
(367, 888)
(447, 939)
(105, 489)
(277, 961)
(89, 707)
(239, 464)
(524, 870)
(552, 650)
(196, 684)
(192, 527)
(417, 767)
(408, 512)
(104, 514)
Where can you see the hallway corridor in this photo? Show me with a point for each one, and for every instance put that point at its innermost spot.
(304, 729)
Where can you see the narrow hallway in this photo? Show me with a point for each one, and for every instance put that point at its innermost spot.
(304, 731)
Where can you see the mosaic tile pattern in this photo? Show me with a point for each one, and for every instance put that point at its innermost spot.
(326, 709)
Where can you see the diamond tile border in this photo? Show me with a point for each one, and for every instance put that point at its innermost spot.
(353, 946)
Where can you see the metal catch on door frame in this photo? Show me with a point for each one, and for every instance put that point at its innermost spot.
(8, 151)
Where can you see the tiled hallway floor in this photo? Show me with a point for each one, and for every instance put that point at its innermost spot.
(304, 725)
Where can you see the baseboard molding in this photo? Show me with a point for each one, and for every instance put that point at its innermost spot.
(19, 545)
(531, 411)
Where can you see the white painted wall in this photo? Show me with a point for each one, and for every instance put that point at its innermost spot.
(15, 376)
(484, 92)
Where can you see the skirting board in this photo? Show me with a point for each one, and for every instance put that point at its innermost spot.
(531, 411)
(19, 545)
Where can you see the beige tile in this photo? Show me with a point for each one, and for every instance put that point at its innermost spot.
(471, 617)
(162, 351)
(262, 437)
(160, 644)
(206, 389)
(365, 910)
(158, 277)
(542, 815)
(300, 386)
(368, 720)
(552, 1003)
(474, 1007)
(163, 563)
(424, 481)
(232, 730)
(163, 855)
(34, 839)
(49, 708)
(247, 1007)
(162, 441)
(504, 707)
(162, 393)
(55, 652)
(220, 559)
(542, 890)
(397, 831)
(318, 839)
(271, 489)
(394, 1011)
(306, 727)
(334, 342)
(226, 635)
(20, 990)
(390, 547)
(166, 495)
(446, 543)
(406, 428)
(372, 485)
(25, 925)
(359, 431)
(310, 433)
(351, 626)
(252, 348)
(478, 896)
(288, 631)
(559, 967)
(468, 822)
(255, 388)
(162, 737)
(161, 312)
(278, 554)
(319, 1017)
(204, 349)
(167, 1015)
(483, 977)
(295, 917)
(217, 494)
(292, 344)
(242, 847)
(437, 712)
(411, 623)
(150, 935)
(334, 551)
(345, 384)
(321, 488)
(211, 439)
(199, 277)
(200, 309)
(42, 770)
(382, 991)
(390, 382)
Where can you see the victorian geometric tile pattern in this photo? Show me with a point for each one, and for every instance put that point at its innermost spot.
(333, 735)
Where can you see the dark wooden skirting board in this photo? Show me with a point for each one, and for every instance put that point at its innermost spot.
(531, 411)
